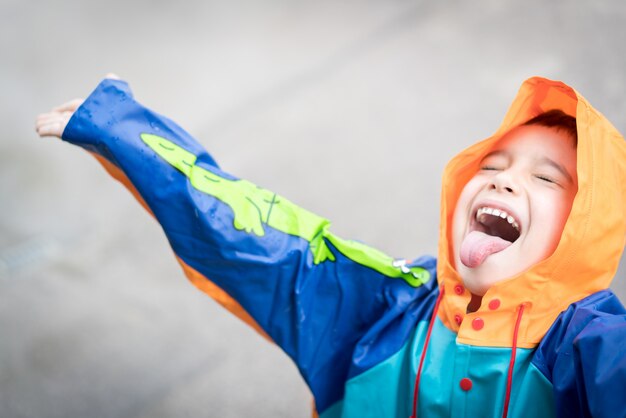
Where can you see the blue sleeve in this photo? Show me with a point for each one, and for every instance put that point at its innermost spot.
(315, 294)
(600, 366)
(584, 355)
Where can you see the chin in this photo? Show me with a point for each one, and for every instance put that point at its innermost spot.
(479, 280)
(473, 282)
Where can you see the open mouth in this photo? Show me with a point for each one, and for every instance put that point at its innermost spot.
(497, 223)
(492, 230)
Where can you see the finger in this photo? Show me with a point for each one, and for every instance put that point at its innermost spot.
(70, 106)
(45, 126)
(46, 117)
(43, 116)
(112, 76)
(50, 129)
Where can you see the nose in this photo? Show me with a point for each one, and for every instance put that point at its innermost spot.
(504, 182)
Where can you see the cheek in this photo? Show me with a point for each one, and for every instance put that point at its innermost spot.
(551, 217)
(468, 193)
(562, 206)
(461, 211)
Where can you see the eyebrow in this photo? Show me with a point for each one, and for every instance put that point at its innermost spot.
(496, 152)
(543, 160)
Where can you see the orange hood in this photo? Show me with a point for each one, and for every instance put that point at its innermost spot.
(591, 245)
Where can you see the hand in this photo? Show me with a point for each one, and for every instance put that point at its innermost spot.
(54, 122)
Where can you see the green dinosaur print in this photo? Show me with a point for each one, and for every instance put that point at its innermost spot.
(255, 207)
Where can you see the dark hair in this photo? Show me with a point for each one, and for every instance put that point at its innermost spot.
(558, 120)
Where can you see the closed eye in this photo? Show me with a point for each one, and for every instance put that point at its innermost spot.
(495, 161)
(547, 179)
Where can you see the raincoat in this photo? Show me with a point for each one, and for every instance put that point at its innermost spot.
(375, 336)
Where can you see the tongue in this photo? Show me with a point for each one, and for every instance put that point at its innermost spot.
(477, 246)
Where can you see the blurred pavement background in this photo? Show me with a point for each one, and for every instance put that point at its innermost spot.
(350, 109)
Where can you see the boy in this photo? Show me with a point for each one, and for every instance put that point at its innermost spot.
(514, 318)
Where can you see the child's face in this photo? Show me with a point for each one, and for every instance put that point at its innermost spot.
(531, 177)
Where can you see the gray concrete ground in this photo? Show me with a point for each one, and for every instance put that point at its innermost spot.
(350, 109)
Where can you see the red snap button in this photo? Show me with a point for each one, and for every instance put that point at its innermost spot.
(458, 289)
(478, 324)
(466, 384)
(494, 304)
(458, 319)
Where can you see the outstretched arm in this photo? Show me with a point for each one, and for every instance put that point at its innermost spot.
(274, 264)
